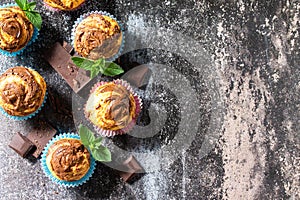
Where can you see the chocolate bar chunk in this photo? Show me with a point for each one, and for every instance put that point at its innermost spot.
(59, 58)
(138, 76)
(68, 47)
(21, 144)
(132, 167)
(40, 136)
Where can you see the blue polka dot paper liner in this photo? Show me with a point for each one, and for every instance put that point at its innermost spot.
(63, 182)
(32, 40)
(82, 17)
(22, 118)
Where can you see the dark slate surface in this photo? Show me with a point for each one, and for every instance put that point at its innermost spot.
(228, 115)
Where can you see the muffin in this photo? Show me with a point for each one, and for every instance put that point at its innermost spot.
(16, 30)
(112, 107)
(65, 5)
(22, 91)
(68, 160)
(97, 36)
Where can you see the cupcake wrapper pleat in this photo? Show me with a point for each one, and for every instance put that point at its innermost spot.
(62, 182)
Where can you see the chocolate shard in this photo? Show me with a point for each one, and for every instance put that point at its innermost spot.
(22, 145)
(58, 105)
(41, 134)
(60, 59)
(138, 76)
(132, 167)
(68, 47)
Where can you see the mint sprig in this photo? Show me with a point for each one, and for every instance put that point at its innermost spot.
(29, 9)
(98, 66)
(99, 152)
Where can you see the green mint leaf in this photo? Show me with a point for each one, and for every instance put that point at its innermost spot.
(22, 4)
(102, 154)
(93, 73)
(98, 151)
(97, 141)
(83, 63)
(35, 18)
(31, 6)
(112, 69)
(98, 66)
(86, 136)
(100, 63)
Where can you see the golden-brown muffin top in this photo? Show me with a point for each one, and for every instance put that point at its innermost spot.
(68, 159)
(111, 106)
(15, 29)
(64, 4)
(98, 36)
(22, 91)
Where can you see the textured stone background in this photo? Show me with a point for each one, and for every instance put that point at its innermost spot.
(254, 50)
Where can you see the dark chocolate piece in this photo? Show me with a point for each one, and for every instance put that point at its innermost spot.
(58, 105)
(60, 59)
(138, 76)
(21, 144)
(131, 168)
(68, 47)
(40, 136)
